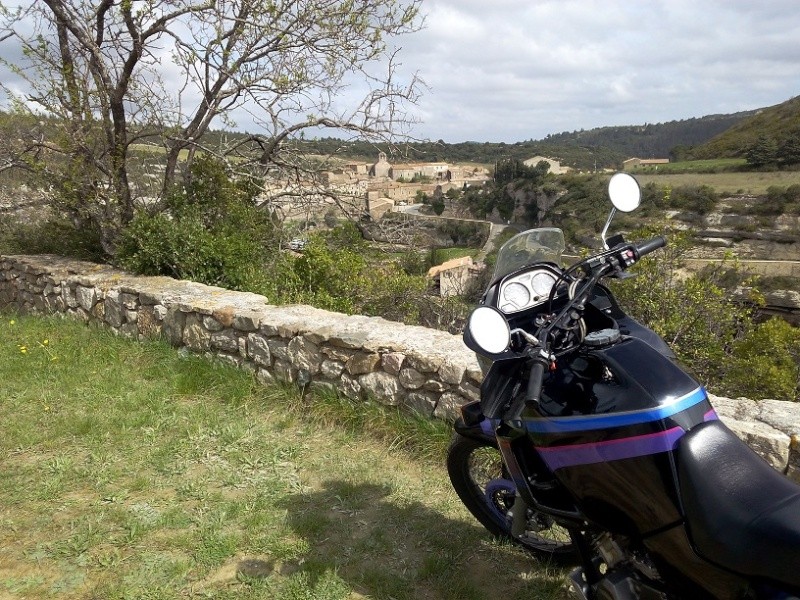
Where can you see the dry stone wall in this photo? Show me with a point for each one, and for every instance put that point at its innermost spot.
(423, 369)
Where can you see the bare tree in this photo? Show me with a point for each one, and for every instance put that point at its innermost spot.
(112, 74)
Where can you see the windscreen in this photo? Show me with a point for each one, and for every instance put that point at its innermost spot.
(545, 244)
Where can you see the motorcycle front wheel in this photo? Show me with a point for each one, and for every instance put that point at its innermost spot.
(483, 485)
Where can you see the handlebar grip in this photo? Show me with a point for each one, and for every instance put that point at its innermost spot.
(535, 382)
(651, 245)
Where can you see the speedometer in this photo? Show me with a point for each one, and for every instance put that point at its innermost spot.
(526, 289)
(541, 283)
(517, 294)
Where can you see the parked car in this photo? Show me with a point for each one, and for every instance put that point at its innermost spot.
(297, 244)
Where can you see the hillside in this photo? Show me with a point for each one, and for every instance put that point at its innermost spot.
(651, 140)
(599, 148)
(602, 147)
(779, 124)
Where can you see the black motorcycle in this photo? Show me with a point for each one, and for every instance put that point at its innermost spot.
(592, 446)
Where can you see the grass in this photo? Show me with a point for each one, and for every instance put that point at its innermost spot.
(135, 471)
(441, 255)
(749, 182)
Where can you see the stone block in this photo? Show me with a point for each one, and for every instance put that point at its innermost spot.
(114, 314)
(86, 297)
(195, 336)
(279, 349)
(148, 324)
(421, 403)
(412, 379)
(304, 354)
(225, 340)
(392, 362)
(447, 408)
(385, 388)
(173, 325)
(211, 323)
(247, 321)
(331, 369)
(452, 373)
(258, 350)
(362, 362)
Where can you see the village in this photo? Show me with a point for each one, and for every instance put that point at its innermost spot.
(364, 190)
(373, 189)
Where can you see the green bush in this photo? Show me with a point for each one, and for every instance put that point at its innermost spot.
(211, 232)
(333, 273)
(765, 362)
(699, 199)
(710, 332)
(52, 235)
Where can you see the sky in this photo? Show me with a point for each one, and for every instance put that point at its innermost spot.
(517, 70)
(513, 70)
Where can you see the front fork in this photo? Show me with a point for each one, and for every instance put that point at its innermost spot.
(473, 424)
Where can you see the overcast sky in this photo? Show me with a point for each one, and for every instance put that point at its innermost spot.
(514, 70)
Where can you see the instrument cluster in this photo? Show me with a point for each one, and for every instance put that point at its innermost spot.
(526, 290)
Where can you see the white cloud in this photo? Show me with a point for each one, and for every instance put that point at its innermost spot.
(513, 70)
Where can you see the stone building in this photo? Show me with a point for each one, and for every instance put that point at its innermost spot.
(555, 166)
(453, 276)
(382, 168)
(632, 163)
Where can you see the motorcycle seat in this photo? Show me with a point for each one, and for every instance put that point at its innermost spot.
(740, 512)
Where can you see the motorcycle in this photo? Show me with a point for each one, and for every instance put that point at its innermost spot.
(591, 446)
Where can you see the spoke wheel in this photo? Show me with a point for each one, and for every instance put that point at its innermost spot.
(480, 480)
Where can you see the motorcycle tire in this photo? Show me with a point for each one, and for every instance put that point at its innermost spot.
(481, 482)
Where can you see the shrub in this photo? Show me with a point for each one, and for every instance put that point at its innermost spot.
(694, 314)
(700, 199)
(52, 235)
(212, 232)
(765, 362)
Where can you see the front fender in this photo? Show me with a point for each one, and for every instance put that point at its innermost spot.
(474, 425)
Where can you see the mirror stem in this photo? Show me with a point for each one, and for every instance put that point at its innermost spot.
(607, 225)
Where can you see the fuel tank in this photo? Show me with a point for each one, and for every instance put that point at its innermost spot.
(608, 422)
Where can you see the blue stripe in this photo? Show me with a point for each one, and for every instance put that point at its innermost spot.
(634, 417)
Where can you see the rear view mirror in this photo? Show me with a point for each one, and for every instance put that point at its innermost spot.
(489, 329)
(625, 195)
(624, 192)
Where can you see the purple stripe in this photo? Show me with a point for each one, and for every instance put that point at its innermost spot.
(557, 457)
(710, 416)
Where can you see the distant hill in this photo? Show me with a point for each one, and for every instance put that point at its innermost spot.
(780, 123)
(652, 140)
(602, 147)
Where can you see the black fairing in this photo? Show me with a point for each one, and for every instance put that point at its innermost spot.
(741, 513)
(642, 381)
(627, 376)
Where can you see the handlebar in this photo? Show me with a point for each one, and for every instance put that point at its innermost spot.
(535, 379)
(534, 391)
(616, 260)
(651, 245)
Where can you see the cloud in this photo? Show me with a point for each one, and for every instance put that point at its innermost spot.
(510, 71)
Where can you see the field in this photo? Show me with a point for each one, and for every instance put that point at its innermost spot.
(727, 182)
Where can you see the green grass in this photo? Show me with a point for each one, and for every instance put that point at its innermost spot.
(746, 182)
(134, 471)
(441, 255)
(694, 166)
